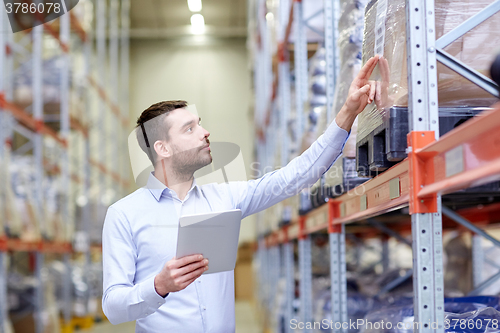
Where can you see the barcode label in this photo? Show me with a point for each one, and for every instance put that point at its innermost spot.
(380, 27)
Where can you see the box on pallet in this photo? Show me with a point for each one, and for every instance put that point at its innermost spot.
(384, 123)
(475, 49)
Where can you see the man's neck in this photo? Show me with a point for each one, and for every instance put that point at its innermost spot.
(180, 183)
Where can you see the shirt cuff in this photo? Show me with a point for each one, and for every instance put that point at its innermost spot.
(149, 295)
(335, 136)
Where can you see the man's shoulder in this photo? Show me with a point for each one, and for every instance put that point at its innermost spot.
(130, 201)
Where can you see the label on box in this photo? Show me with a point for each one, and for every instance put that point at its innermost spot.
(454, 160)
(394, 188)
(362, 203)
(380, 27)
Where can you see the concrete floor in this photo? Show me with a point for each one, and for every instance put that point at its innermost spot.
(246, 322)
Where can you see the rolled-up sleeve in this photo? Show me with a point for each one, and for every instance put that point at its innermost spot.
(303, 171)
(123, 300)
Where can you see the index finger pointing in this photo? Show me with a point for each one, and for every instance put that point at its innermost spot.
(368, 68)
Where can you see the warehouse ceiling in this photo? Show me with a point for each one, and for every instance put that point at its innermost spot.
(171, 18)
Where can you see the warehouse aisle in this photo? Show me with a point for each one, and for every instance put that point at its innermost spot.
(246, 322)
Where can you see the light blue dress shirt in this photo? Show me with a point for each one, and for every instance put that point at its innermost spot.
(140, 236)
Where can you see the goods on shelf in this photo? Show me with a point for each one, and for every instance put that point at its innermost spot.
(25, 218)
(475, 49)
(97, 211)
(478, 313)
(21, 297)
(86, 287)
(385, 34)
(342, 176)
(386, 144)
(23, 81)
(316, 110)
(349, 43)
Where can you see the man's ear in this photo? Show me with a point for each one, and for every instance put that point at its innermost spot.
(162, 149)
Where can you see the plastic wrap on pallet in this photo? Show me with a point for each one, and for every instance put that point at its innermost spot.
(349, 43)
(23, 79)
(492, 255)
(20, 296)
(458, 263)
(475, 49)
(315, 112)
(86, 286)
(480, 314)
(358, 305)
(24, 223)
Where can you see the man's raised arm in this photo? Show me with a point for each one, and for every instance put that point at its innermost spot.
(305, 170)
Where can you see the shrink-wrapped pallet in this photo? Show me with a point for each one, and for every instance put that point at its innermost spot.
(342, 177)
(385, 35)
(315, 112)
(349, 43)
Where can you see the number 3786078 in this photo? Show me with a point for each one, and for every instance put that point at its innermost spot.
(25, 8)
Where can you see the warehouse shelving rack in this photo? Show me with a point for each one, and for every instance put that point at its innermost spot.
(69, 35)
(435, 166)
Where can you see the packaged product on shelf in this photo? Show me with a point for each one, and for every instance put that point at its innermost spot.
(385, 35)
(478, 313)
(349, 43)
(23, 94)
(316, 104)
(320, 254)
(86, 286)
(491, 255)
(22, 175)
(458, 269)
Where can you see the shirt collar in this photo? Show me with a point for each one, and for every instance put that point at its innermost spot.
(157, 188)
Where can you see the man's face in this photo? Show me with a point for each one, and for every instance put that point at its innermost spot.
(188, 142)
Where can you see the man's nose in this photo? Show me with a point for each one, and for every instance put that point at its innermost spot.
(206, 133)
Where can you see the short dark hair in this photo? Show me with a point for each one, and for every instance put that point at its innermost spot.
(154, 130)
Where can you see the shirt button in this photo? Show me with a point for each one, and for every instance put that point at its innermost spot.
(204, 308)
(159, 303)
(199, 281)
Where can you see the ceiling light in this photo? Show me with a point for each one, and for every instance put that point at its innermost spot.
(194, 5)
(197, 24)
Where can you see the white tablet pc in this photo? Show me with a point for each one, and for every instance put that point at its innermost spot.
(214, 235)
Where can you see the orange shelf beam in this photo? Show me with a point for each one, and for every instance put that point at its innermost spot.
(19, 245)
(114, 108)
(27, 120)
(464, 157)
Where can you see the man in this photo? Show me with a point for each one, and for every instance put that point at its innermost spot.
(143, 281)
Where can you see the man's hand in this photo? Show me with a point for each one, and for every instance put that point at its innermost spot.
(177, 274)
(361, 93)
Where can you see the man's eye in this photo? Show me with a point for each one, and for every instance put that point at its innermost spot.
(190, 129)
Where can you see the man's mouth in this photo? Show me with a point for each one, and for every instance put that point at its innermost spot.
(206, 147)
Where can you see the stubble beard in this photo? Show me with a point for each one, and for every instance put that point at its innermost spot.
(186, 163)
